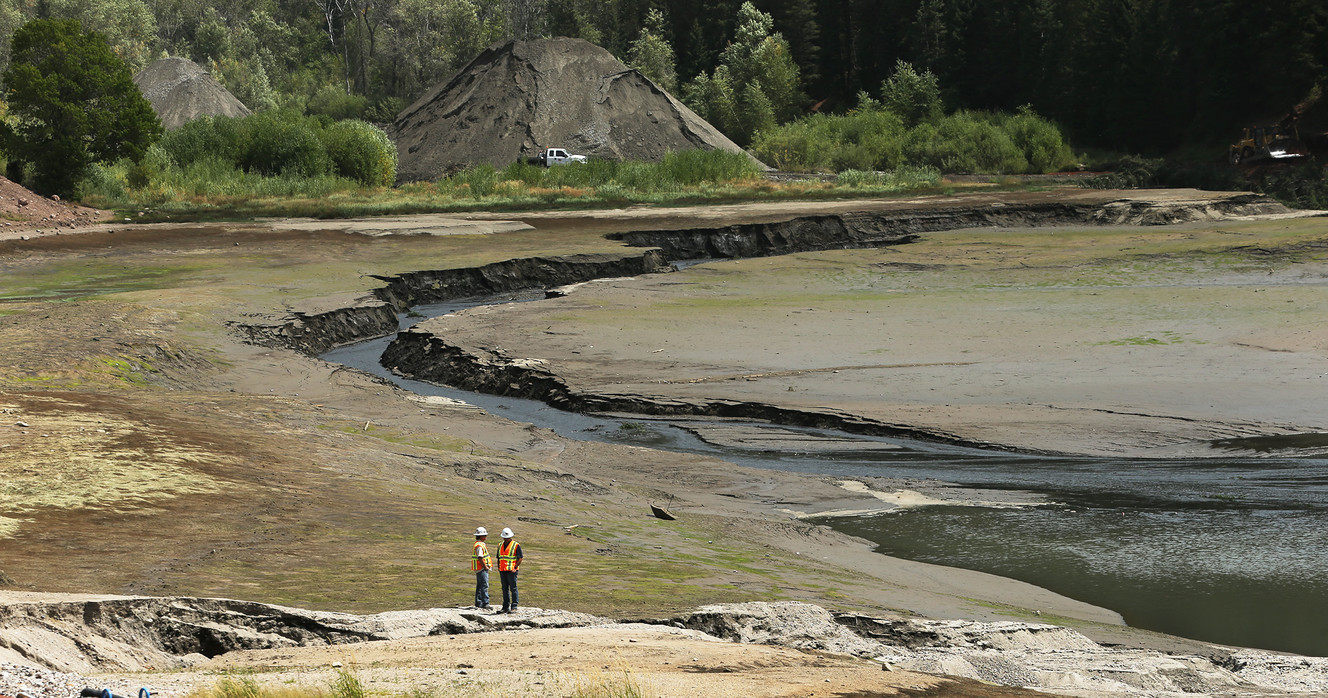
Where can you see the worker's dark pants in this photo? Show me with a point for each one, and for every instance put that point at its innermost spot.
(509, 589)
(482, 588)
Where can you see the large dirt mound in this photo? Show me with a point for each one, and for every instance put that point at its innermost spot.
(518, 97)
(181, 91)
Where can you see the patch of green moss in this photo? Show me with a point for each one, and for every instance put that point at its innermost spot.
(87, 279)
(1165, 338)
(431, 441)
(131, 371)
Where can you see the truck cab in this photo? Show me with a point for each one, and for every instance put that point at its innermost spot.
(558, 156)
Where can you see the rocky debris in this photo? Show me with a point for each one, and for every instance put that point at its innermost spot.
(519, 97)
(181, 91)
(134, 633)
(19, 680)
(788, 624)
(46, 641)
(1029, 655)
(1292, 672)
(22, 209)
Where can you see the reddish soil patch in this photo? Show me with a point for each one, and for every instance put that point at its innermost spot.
(24, 212)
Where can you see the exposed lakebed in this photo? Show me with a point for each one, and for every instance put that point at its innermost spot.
(1226, 549)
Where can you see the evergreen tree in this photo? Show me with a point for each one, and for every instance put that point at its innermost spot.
(915, 97)
(73, 102)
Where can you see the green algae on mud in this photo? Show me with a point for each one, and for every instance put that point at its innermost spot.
(70, 458)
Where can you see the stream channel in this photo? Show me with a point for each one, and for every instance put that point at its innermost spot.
(1231, 549)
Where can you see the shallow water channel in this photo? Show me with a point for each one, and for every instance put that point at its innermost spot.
(1232, 549)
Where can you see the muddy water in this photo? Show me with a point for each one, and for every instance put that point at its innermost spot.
(1232, 549)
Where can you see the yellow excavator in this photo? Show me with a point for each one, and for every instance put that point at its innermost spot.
(1273, 142)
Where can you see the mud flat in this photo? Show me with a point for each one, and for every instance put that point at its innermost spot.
(298, 483)
(1060, 339)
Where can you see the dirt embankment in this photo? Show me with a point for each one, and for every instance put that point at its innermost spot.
(813, 646)
(317, 329)
(25, 214)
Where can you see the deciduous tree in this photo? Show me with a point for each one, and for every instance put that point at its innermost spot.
(652, 55)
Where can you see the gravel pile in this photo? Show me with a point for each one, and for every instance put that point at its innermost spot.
(20, 680)
(181, 91)
(519, 97)
(16, 679)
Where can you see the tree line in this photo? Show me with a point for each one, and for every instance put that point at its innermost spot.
(1130, 75)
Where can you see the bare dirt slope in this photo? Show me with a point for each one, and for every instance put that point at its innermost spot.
(26, 213)
(181, 91)
(517, 98)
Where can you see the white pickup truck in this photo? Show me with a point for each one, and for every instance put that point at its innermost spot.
(558, 156)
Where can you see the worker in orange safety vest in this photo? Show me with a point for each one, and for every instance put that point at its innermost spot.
(509, 562)
(480, 564)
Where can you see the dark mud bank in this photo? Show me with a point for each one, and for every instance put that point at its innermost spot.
(421, 355)
(376, 315)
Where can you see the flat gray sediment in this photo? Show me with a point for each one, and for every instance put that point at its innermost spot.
(416, 354)
(316, 331)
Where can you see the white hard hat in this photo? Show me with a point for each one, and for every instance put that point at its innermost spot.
(481, 532)
(507, 533)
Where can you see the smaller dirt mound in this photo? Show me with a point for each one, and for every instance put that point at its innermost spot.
(181, 91)
(23, 212)
(518, 97)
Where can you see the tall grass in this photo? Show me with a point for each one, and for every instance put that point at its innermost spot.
(210, 186)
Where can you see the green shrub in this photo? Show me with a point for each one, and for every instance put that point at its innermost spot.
(334, 102)
(1044, 149)
(898, 179)
(860, 178)
(477, 181)
(103, 185)
(1301, 186)
(692, 167)
(791, 147)
(209, 136)
(965, 142)
(346, 684)
(1129, 172)
(868, 139)
(283, 142)
(361, 152)
(385, 110)
(155, 163)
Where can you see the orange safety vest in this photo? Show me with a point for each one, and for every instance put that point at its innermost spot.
(507, 559)
(480, 561)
